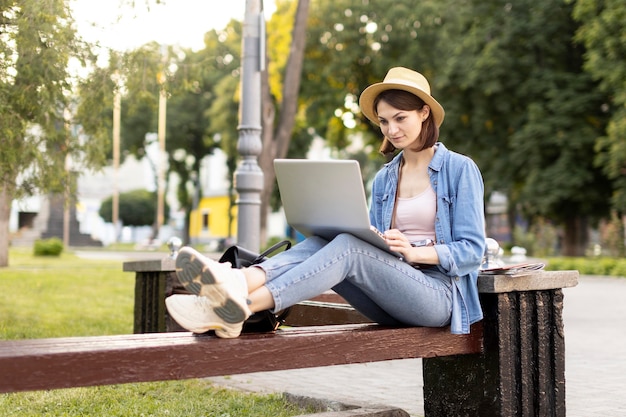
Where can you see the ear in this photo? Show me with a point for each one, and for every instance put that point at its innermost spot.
(425, 112)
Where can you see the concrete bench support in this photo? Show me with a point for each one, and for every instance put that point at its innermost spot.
(521, 371)
(153, 281)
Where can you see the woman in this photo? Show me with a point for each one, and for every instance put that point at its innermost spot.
(428, 200)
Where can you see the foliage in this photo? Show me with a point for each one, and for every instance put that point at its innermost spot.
(136, 208)
(541, 239)
(517, 97)
(612, 236)
(221, 82)
(533, 92)
(589, 265)
(351, 45)
(530, 111)
(194, 83)
(603, 33)
(48, 247)
(37, 45)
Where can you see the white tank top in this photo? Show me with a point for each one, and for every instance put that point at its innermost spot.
(415, 216)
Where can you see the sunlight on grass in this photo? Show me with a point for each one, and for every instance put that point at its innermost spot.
(64, 296)
(176, 398)
(68, 296)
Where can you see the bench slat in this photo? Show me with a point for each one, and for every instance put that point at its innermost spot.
(87, 361)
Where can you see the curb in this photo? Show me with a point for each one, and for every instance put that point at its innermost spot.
(328, 408)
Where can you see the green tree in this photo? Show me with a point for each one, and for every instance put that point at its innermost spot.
(603, 33)
(527, 111)
(517, 97)
(280, 95)
(351, 45)
(142, 73)
(217, 77)
(137, 208)
(138, 76)
(217, 72)
(203, 98)
(37, 44)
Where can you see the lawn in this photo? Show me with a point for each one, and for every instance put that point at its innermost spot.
(63, 296)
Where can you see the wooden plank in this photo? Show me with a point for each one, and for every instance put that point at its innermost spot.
(315, 313)
(88, 361)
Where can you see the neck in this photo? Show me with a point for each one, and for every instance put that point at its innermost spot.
(416, 159)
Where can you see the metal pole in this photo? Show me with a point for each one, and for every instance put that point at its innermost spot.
(161, 161)
(162, 158)
(117, 104)
(248, 177)
(67, 197)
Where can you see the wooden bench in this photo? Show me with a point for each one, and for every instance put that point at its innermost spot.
(512, 363)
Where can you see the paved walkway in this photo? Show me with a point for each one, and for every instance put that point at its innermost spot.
(595, 340)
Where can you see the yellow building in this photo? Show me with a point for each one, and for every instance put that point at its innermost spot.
(213, 219)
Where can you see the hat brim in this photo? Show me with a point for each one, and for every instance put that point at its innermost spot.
(366, 101)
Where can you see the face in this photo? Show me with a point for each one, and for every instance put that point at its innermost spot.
(401, 127)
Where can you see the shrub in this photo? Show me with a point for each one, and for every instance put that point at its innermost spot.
(136, 208)
(589, 265)
(48, 247)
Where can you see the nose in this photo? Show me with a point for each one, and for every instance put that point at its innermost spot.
(392, 128)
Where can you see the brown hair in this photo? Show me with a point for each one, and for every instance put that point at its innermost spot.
(404, 100)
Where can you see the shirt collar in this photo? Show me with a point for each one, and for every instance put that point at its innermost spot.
(437, 162)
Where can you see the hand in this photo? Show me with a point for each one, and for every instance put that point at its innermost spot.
(397, 241)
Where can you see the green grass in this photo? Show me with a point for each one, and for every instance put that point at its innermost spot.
(176, 398)
(64, 296)
(44, 297)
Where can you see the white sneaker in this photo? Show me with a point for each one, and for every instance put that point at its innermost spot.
(225, 292)
(195, 314)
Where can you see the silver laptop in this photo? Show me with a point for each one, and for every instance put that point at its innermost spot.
(325, 198)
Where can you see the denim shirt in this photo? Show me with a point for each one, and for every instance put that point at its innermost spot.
(459, 224)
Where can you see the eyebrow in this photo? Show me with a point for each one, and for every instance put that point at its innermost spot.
(393, 116)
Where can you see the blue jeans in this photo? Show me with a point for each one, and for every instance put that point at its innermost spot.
(376, 283)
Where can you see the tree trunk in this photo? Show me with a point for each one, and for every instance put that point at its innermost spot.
(6, 198)
(276, 143)
(575, 237)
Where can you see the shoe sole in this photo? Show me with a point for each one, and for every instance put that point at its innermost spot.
(196, 277)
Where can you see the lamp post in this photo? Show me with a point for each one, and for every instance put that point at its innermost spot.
(117, 104)
(160, 217)
(248, 177)
(161, 160)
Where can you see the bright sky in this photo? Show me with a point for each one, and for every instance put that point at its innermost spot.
(177, 22)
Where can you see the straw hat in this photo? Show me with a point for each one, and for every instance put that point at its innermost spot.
(400, 78)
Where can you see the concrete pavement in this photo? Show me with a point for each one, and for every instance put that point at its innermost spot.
(595, 342)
